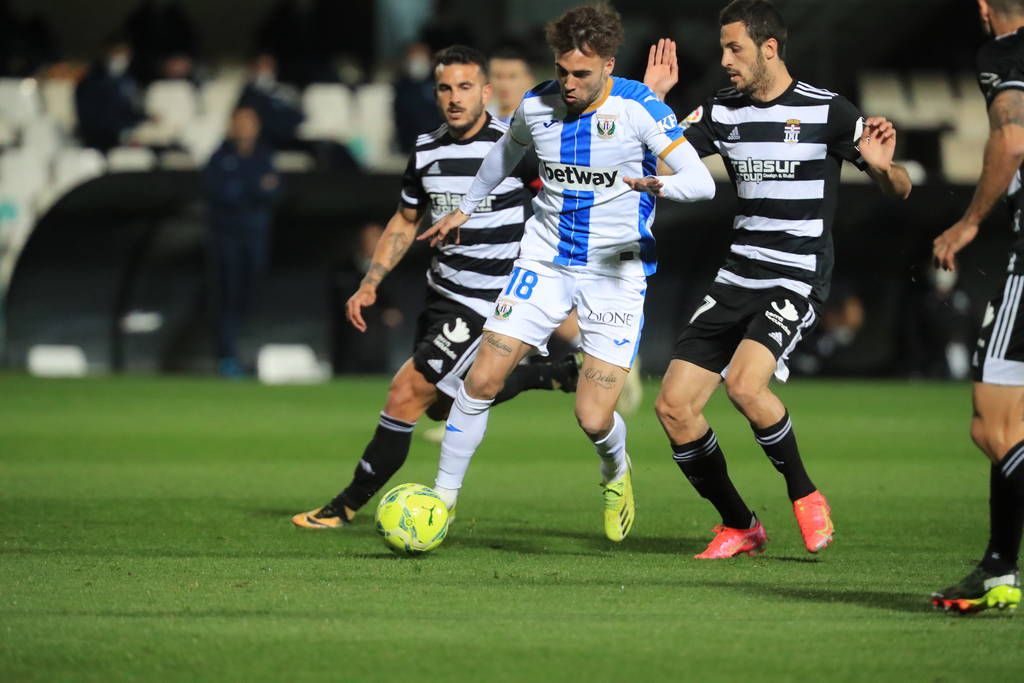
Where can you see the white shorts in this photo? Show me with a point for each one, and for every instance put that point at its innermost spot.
(539, 296)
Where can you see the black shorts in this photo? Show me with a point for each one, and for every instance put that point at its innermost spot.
(999, 355)
(447, 339)
(776, 318)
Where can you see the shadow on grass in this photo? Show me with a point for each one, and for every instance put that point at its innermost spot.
(534, 541)
(883, 600)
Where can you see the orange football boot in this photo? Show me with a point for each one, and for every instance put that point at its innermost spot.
(729, 542)
(812, 514)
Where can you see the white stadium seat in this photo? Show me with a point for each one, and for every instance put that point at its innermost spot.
(130, 159)
(19, 99)
(75, 166)
(59, 102)
(961, 158)
(933, 100)
(218, 97)
(41, 138)
(329, 114)
(172, 104)
(883, 94)
(202, 137)
(374, 102)
(23, 174)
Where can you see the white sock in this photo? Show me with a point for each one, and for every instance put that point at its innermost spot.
(612, 450)
(467, 423)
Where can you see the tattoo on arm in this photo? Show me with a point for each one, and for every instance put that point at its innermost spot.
(499, 347)
(1007, 110)
(600, 379)
(392, 250)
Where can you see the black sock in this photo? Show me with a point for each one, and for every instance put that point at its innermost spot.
(385, 453)
(1006, 508)
(703, 464)
(525, 377)
(779, 444)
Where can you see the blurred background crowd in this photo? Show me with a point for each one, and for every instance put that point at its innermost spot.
(142, 141)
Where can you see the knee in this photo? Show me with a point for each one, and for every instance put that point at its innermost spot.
(743, 392)
(407, 398)
(675, 411)
(594, 423)
(483, 386)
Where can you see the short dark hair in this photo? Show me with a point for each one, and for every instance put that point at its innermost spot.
(762, 19)
(1012, 7)
(461, 54)
(510, 51)
(588, 28)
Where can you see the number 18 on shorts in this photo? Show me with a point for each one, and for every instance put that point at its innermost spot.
(539, 296)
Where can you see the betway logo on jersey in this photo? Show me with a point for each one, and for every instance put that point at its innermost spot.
(585, 178)
(756, 170)
(446, 202)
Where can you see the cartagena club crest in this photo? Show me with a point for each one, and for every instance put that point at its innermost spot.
(792, 131)
(606, 125)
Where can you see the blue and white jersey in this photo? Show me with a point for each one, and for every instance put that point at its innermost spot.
(585, 215)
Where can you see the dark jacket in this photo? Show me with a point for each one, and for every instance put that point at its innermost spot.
(107, 106)
(233, 187)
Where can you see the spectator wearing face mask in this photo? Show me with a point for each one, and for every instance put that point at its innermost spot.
(277, 104)
(107, 100)
(415, 107)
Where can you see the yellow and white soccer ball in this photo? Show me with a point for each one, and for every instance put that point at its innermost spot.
(412, 519)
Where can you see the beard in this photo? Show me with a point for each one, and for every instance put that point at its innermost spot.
(760, 80)
(472, 117)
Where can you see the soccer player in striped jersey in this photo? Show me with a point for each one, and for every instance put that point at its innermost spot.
(783, 142)
(464, 279)
(998, 364)
(588, 245)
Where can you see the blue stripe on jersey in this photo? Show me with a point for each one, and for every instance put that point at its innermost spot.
(648, 252)
(659, 111)
(574, 219)
(639, 333)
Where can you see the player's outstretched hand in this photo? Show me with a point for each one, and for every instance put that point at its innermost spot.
(365, 296)
(438, 233)
(878, 142)
(651, 185)
(948, 244)
(662, 68)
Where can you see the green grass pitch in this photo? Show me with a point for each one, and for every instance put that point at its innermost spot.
(145, 535)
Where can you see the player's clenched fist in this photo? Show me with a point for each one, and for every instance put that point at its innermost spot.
(365, 296)
(438, 233)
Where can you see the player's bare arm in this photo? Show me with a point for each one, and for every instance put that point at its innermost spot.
(877, 146)
(1004, 153)
(394, 242)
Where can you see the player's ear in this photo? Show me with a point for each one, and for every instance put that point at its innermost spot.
(488, 90)
(770, 49)
(610, 65)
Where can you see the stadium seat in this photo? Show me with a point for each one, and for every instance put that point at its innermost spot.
(59, 102)
(329, 115)
(42, 138)
(374, 102)
(882, 94)
(57, 360)
(172, 104)
(22, 174)
(74, 166)
(202, 137)
(130, 159)
(218, 97)
(933, 100)
(16, 222)
(19, 99)
(961, 158)
(8, 133)
(293, 162)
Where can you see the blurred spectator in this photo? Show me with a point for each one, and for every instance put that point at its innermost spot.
(415, 106)
(240, 187)
(828, 349)
(277, 104)
(107, 100)
(446, 27)
(163, 41)
(370, 351)
(299, 33)
(940, 327)
(511, 77)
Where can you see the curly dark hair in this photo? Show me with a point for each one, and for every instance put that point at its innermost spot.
(593, 29)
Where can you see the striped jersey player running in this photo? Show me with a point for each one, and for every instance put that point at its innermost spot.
(588, 244)
(783, 143)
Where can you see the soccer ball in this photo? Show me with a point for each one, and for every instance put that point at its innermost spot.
(412, 518)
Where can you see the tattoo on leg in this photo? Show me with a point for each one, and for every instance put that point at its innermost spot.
(501, 348)
(600, 379)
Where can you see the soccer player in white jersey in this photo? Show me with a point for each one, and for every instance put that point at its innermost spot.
(588, 244)
(784, 143)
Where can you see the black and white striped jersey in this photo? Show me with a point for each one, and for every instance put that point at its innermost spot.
(439, 173)
(1001, 68)
(784, 158)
